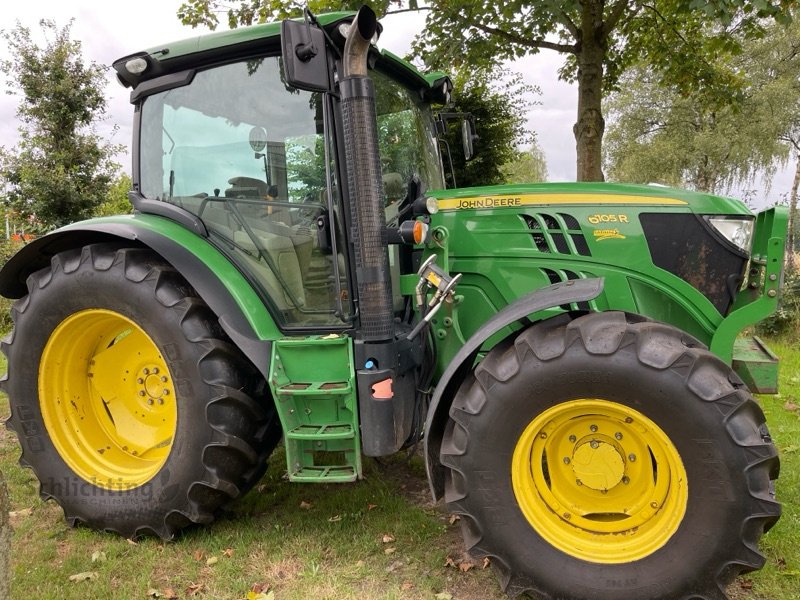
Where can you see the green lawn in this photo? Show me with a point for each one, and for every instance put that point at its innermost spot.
(380, 538)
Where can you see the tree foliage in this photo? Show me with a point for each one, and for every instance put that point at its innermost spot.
(497, 100)
(116, 202)
(527, 166)
(600, 39)
(60, 170)
(663, 134)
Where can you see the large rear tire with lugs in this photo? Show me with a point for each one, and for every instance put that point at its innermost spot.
(132, 407)
(609, 458)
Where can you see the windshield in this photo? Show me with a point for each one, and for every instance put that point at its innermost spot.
(407, 139)
(247, 154)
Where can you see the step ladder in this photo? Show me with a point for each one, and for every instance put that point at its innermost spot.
(313, 383)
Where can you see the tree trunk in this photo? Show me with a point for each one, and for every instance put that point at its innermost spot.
(590, 125)
(790, 258)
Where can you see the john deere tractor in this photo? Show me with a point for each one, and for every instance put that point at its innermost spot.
(297, 269)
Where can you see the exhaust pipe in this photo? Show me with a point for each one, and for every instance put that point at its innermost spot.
(365, 183)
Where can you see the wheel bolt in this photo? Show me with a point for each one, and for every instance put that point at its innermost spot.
(163, 379)
(166, 392)
(155, 370)
(654, 504)
(595, 445)
(572, 439)
(140, 380)
(150, 401)
(632, 457)
(593, 428)
(543, 435)
(628, 419)
(618, 435)
(566, 460)
(567, 516)
(146, 371)
(626, 480)
(578, 482)
(141, 392)
(161, 401)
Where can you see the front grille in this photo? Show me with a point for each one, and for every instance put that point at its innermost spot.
(558, 233)
(683, 244)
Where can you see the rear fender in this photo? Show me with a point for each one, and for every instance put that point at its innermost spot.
(580, 290)
(241, 313)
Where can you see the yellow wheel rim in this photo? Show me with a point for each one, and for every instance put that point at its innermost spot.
(107, 399)
(599, 481)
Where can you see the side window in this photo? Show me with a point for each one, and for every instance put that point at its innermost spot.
(247, 155)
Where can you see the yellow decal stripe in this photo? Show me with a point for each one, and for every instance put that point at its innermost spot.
(546, 199)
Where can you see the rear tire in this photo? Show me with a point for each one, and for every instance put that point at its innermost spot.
(542, 447)
(132, 407)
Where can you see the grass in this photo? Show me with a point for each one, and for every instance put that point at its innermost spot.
(378, 539)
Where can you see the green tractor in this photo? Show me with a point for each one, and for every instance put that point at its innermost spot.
(296, 269)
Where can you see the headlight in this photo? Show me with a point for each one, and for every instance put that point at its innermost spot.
(737, 230)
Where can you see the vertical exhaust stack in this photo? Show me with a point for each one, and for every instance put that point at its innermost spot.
(365, 183)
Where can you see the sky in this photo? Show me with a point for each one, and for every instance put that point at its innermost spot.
(110, 30)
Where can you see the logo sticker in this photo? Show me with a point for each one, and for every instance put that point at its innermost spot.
(607, 234)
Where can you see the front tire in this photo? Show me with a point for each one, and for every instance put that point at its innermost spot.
(133, 409)
(606, 458)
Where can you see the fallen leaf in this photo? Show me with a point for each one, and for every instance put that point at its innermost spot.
(388, 538)
(16, 514)
(746, 584)
(305, 505)
(486, 562)
(198, 555)
(465, 566)
(212, 560)
(388, 551)
(407, 585)
(371, 506)
(444, 596)
(98, 556)
(259, 588)
(195, 588)
(789, 405)
(132, 542)
(454, 518)
(781, 562)
(85, 576)
(449, 562)
(360, 563)
(394, 566)
(154, 593)
(228, 552)
(335, 518)
(261, 488)
(260, 596)
(170, 594)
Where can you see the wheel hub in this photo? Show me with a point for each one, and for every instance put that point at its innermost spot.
(598, 465)
(106, 397)
(599, 481)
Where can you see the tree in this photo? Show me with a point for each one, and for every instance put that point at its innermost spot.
(528, 166)
(659, 134)
(116, 202)
(600, 39)
(496, 99)
(60, 170)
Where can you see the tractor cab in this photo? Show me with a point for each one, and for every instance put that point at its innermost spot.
(261, 164)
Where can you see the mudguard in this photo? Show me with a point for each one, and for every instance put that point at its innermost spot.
(581, 290)
(242, 315)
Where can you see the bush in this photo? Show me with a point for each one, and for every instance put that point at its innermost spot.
(7, 249)
(785, 320)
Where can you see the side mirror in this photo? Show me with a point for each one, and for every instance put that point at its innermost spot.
(305, 56)
(468, 138)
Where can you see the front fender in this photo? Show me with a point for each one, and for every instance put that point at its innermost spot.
(226, 291)
(580, 290)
